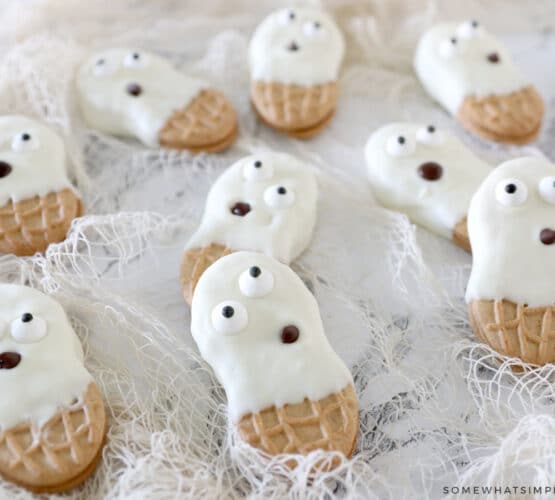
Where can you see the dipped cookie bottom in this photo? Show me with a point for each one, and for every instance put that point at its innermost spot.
(207, 124)
(301, 112)
(28, 226)
(513, 118)
(62, 453)
(329, 424)
(515, 330)
(460, 235)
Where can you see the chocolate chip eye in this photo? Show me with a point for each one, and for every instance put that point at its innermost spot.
(258, 170)
(431, 129)
(25, 141)
(293, 46)
(546, 188)
(28, 328)
(511, 192)
(240, 208)
(229, 317)
(279, 197)
(453, 41)
(101, 62)
(289, 334)
(287, 16)
(474, 24)
(400, 145)
(256, 282)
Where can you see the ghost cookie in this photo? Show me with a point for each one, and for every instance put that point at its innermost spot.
(426, 173)
(471, 74)
(264, 203)
(294, 58)
(136, 94)
(52, 417)
(37, 201)
(511, 292)
(259, 328)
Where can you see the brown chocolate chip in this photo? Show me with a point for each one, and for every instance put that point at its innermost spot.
(9, 360)
(430, 171)
(293, 47)
(289, 334)
(240, 208)
(5, 168)
(494, 57)
(134, 89)
(547, 236)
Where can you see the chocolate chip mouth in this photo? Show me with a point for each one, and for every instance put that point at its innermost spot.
(9, 360)
(494, 58)
(240, 208)
(134, 89)
(5, 168)
(293, 46)
(547, 236)
(430, 171)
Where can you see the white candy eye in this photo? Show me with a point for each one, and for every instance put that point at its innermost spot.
(135, 60)
(400, 145)
(450, 47)
(102, 67)
(511, 192)
(28, 328)
(258, 170)
(229, 317)
(279, 197)
(314, 28)
(430, 136)
(547, 189)
(25, 141)
(287, 16)
(469, 29)
(256, 282)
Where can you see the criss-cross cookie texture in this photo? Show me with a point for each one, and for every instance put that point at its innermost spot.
(62, 452)
(30, 225)
(515, 330)
(329, 424)
(294, 108)
(194, 262)
(208, 123)
(514, 118)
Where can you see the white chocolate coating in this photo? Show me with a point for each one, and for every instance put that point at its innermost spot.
(51, 371)
(107, 105)
(437, 205)
(450, 72)
(509, 261)
(320, 48)
(38, 164)
(255, 367)
(279, 228)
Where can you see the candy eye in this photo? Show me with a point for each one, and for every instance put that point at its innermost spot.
(511, 192)
(450, 47)
(279, 197)
(28, 328)
(547, 189)
(229, 317)
(313, 29)
(256, 282)
(469, 29)
(102, 67)
(258, 170)
(400, 145)
(25, 141)
(430, 136)
(135, 60)
(287, 16)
